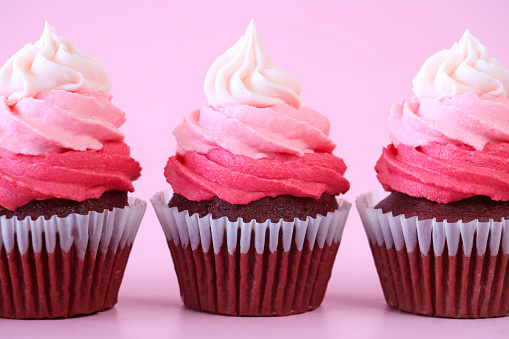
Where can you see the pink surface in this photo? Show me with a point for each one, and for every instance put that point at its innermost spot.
(354, 60)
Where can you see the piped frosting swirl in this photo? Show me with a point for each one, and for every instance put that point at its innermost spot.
(59, 135)
(245, 75)
(52, 63)
(464, 68)
(253, 140)
(451, 141)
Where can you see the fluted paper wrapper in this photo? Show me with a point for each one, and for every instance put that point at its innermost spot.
(62, 267)
(455, 270)
(251, 269)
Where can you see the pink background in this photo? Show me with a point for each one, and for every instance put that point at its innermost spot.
(354, 59)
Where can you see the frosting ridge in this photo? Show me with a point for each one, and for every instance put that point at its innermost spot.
(255, 132)
(253, 139)
(240, 180)
(451, 141)
(73, 175)
(446, 172)
(59, 120)
(463, 119)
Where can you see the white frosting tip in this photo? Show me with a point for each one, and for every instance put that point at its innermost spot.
(50, 63)
(245, 75)
(464, 68)
(251, 27)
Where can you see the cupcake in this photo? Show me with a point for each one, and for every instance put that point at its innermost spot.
(67, 225)
(440, 239)
(253, 223)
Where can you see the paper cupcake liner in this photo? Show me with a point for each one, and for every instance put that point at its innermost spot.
(62, 267)
(252, 269)
(455, 270)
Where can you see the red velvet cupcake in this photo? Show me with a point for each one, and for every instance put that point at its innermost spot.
(440, 239)
(67, 225)
(253, 224)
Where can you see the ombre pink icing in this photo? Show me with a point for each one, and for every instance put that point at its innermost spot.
(73, 175)
(59, 135)
(239, 179)
(253, 139)
(242, 153)
(451, 141)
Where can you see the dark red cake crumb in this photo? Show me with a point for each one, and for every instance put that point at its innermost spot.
(281, 207)
(478, 207)
(63, 207)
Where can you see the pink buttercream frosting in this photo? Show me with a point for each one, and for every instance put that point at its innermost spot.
(242, 153)
(59, 135)
(255, 132)
(59, 120)
(462, 119)
(239, 179)
(73, 175)
(446, 172)
(253, 139)
(451, 141)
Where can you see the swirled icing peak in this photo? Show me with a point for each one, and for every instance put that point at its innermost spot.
(451, 142)
(51, 63)
(465, 68)
(246, 75)
(253, 140)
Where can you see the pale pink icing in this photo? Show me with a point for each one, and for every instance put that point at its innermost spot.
(74, 175)
(59, 120)
(463, 119)
(255, 132)
(253, 140)
(240, 180)
(445, 173)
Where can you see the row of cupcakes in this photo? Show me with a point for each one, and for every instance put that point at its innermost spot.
(253, 221)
